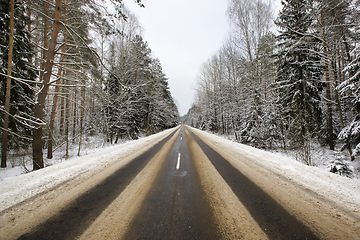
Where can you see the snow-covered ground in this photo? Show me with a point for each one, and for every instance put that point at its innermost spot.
(321, 157)
(21, 163)
(324, 158)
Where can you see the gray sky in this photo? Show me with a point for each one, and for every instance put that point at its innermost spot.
(183, 34)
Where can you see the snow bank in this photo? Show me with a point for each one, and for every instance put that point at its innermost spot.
(342, 191)
(16, 189)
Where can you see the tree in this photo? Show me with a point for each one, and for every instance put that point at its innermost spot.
(350, 134)
(334, 21)
(38, 161)
(129, 91)
(139, 101)
(18, 72)
(8, 86)
(251, 21)
(298, 80)
(162, 112)
(79, 42)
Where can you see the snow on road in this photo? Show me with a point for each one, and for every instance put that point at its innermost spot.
(340, 190)
(16, 189)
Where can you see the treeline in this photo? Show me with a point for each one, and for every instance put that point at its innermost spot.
(286, 87)
(73, 68)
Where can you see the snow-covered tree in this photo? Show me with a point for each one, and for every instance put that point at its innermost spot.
(298, 80)
(23, 73)
(350, 135)
(139, 101)
(162, 112)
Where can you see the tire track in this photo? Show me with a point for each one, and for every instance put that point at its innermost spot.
(273, 219)
(175, 207)
(73, 220)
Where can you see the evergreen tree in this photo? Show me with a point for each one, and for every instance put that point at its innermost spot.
(21, 98)
(162, 111)
(350, 135)
(139, 98)
(298, 76)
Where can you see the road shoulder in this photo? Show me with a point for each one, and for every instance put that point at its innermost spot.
(322, 217)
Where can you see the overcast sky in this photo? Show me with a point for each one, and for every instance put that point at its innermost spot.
(183, 34)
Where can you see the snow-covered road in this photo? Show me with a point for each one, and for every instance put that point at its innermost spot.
(328, 203)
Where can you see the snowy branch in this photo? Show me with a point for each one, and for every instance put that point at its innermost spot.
(17, 135)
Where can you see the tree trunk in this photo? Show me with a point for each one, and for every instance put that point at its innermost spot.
(8, 87)
(55, 99)
(82, 116)
(329, 110)
(52, 116)
(67, 116)
(38, 161)
(333, 64)
(74, 114)
(62, 111)
(45, 40)
(148, 127)
(346, 49)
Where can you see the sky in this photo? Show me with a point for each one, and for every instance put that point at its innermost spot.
(183, 34)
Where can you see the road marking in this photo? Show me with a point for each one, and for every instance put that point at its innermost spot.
(180, 138)
(178, 162)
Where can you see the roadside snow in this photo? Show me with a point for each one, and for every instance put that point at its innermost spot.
(340, 190)
(337, 189)
(21, 163)
(16, 189)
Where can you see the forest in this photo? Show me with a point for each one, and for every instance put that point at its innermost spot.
(70, 69)
(285, 80)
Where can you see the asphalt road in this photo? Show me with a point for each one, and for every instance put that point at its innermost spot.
(180, 189)
(175, 207)
(274, 220)
(78, 215)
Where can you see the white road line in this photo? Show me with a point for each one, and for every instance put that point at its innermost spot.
(181, 138)
(178, 162)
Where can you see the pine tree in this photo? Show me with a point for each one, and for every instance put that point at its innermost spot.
(162, 111)
(334, 20)
(299, 70)
(21, 94)
(350, 135)
(139, 100)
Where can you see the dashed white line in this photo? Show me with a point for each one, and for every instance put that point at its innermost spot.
(178, 162)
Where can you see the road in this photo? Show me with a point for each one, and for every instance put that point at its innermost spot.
(184, 187)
